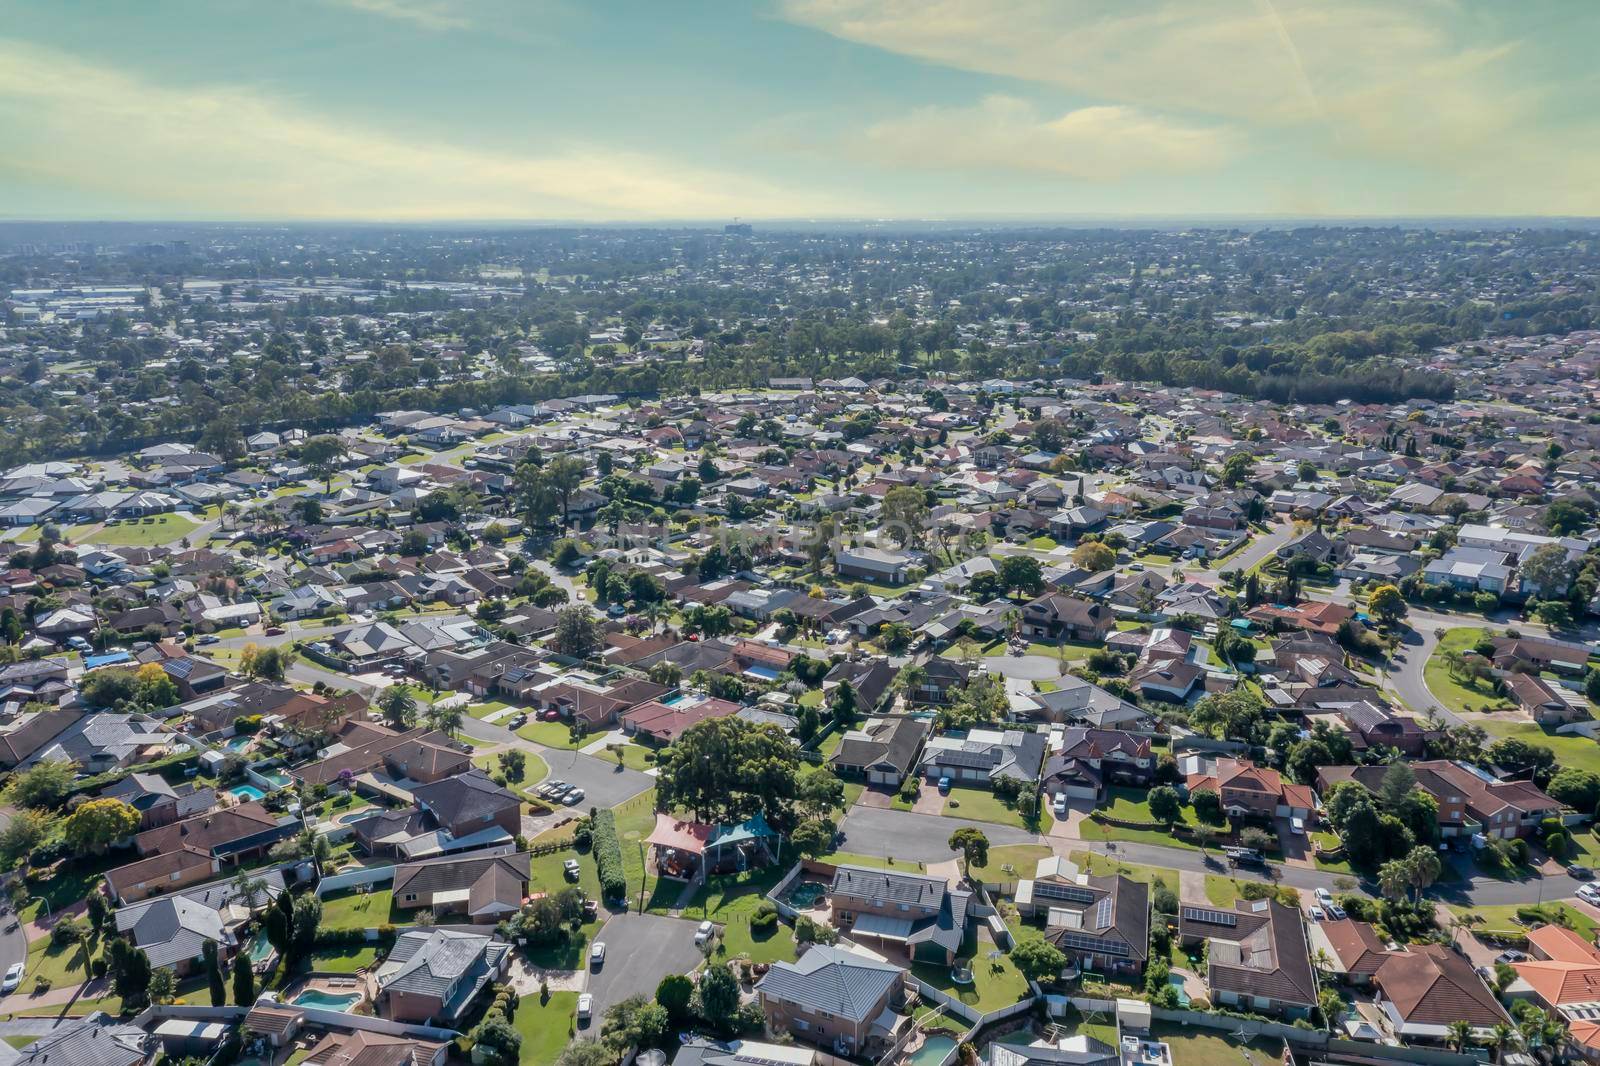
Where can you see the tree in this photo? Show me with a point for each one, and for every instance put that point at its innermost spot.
(1257, 838)
(1236, 715)
(280, 924)
(820, 793)
(44, 785)
(1517, 754)
(163, 985)
(577, 633)
(1094, 556)
(973, 846)
(1207, 805)
(129, 970)
(25, 832)
(1164, 804)
(97, 824)
(717, 997)
(842, 704)
(1037, 959)
(675, 993)
(1547, 571)
(321, 456)
(1398, 782)
(1423, 868)
(1575, 787)
(725, 770)
(1460, 1034)
(813, 838)
(307, 917)
(1236, 469)
(399, 706)
(244, 980)
(904, 514)
(1020, 573)
(214, 981)
(1386, 603)
(564, 474)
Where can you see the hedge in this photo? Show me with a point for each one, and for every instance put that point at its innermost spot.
(608, 856)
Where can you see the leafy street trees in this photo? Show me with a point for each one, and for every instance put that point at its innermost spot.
(973, 846)
(725, 770)
(98, 823)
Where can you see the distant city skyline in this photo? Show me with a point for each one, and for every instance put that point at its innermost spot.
(551, 110)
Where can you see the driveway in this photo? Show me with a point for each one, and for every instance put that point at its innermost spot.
(604, 785)
(1024, 667)
(641, 949)
(915, 838)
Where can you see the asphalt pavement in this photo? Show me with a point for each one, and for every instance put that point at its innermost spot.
(641, 949)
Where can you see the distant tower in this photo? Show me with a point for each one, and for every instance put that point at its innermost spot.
(737, 228)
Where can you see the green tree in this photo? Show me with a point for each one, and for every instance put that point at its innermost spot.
(25, 832)
(1037, 959)
(99, 823)
(973, 847)
(43, 785)
(399, 706)
(321, 456)
(577, 633)
(244, 980)
(819, 794)
(676, 993)
(904, 514)
(163, 986)
(725, 770)
(1164, 804)
(1094, 556)
(717, 998)
(1386, 603)
(1021, 573)
(214, 982)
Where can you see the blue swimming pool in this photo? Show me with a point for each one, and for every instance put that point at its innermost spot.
(247, 792)
(312, 997)
(932, 1051)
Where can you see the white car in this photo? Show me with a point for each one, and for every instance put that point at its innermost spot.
(597, 954)
(1317, 915)
(1324, 896)
(1590, 893)
(585, 1006)
(703, 933)
(1060, 804)
(1335, 912)
(573, 798)
(13, 978)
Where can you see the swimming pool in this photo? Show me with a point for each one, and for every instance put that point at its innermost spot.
(313, 997)
(278, 780)
(239, 743)
(682, 697)
(932, 1051)
(248, 792)
(1176, 981)
(261, 948)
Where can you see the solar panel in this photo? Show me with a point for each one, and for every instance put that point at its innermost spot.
(1057, 890)
(1102, 914)
(1085, 942)
(1204, 914)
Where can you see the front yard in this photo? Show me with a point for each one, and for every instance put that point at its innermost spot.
(1570, 750)
(1460, 694)
(731, 901)
(984, 806)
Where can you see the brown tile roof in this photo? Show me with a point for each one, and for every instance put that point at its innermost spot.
(1359, 949)
(1432, 985)
(160, 866)
(206, 831)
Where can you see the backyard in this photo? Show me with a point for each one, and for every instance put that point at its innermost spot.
(354, 909)
(731, 901)
(1574, 750)
(545, 1026)
(996, 982)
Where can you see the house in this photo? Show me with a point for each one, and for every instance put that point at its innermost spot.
(1100, 923)
(662, 723)
(1078, 702)
(1354, 949)
(845, 1001)
(872, 680)
(923, 917)
(101, 742)
(97, 1040)
(485, 888)
(1543, 702)
(1470, 799)
(1055, 616)
(983, 756)
(412, 756)
(431, 976)
(1251, 791)
(174, 928)
(1257, 957)
(1540, 654)
(1089, 759)
(1427, 987)
(361, 1047)
(873, 564)
(883, 751)
(1563, 977)
(234, 832)
(941, 679)
(165, 872)
(159, 803)
(1314, 617)
(468, 803)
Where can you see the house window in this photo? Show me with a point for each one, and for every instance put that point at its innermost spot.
(411, 897)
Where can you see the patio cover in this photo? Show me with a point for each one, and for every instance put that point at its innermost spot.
(883, 926)
(680, 835)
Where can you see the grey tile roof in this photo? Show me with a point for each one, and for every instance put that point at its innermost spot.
(834, 980)
(94, 1041)
(464, 798)
(443, 963)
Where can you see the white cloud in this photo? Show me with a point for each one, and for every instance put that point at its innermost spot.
(1007, 134)
(234, 152)
(1383, 77)
(429, 14)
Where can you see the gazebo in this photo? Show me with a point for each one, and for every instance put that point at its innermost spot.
(683, 848)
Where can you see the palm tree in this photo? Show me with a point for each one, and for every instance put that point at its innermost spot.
(1500, 1038)
(1394, 879)
(248, 888)
(1424, 867)
(445, 717)
(1459, 1033)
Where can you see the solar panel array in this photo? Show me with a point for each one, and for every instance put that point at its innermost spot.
(1102, 914)
(1205, 914)
(1085, 942)
(1060, 890)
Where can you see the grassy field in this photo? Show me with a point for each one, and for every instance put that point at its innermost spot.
(634, 756)
(981, 805)
(730, 901)
(137, 532)
(546, 1027)
(1102, 864)
(61, 966)
(551, 735)
(1504, 916)
(1022, 859)
(635, 820)
(1131, 804)
(355, 910)
(1574, 750)
(1459, 695)
(343, 960)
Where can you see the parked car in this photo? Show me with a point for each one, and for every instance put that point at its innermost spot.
(13, 978)
(571, 869)
(274, 631)
(1317, 914)
(944, 786)
(1579, 872)
(585, 1006)
(573, 797)
(1297, 826)
(1590, 894)
(516, 721)
(703, 933)
(551, 715)
(1324, 896)
(597, 954)
(1335, 912)
(1060, 804)
(208, 638)
(1511, 955)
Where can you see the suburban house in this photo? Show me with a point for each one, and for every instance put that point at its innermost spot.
(158, 802)
(470, 802)
(97, 1040)
(485, 888)
(1563, 977)
(845, 1001)
(872, 679)
(883, 751)
(1355, 949)
(1544, 702)
(1090, 759)
(1055, 616)
(1100, 923)
(377, 753)
(983, 756)
(1257, 957)
(173, 929)
(233, 832)
(661, 723)
(921, 916)
(1251, 791)
(166, 872)
(873, 564)
(1470, 799)
(431, 976)
(1426, 987)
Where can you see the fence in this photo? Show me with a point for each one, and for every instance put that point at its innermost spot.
(369, 875)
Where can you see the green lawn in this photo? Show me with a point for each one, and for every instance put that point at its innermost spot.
(61, 966)
(546, 1027)
(634, 756)
(1131, 804)
(1097, 864)
(20, 1041)
(1570, 750)
(1459, 695)
(483, 710)
(349, 909)
(811, 698)
(1011, 862)
(343, 960)
(1504, 917)
(546, 875)
(139, 532)
(636, 819)
(995, 983)
(551, 735)
(730, 901)
(983, 806)
(1331, 840)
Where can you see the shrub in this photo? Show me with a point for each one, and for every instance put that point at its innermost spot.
(765, 919)
(608, 856)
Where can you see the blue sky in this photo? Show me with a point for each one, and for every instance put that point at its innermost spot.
(609, 111)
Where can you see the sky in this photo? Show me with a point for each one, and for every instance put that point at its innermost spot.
(610, 111)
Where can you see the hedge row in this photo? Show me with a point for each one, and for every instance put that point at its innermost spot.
(608, 856)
